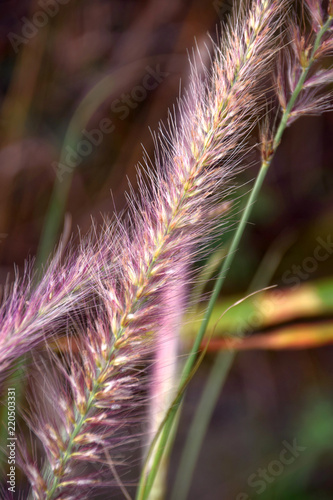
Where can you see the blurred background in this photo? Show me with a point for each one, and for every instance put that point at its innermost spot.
(82, 84)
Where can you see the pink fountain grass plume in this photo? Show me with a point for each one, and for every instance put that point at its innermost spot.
(85, 404)
(302, 70)
(31, 313)
(167, 227)
(194, 162)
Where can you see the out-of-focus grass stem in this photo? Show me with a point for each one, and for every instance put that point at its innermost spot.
(54, 217)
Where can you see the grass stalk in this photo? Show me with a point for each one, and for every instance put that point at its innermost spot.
(224, 360)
